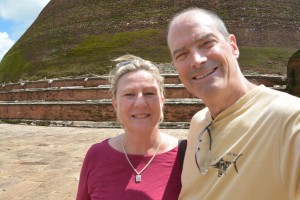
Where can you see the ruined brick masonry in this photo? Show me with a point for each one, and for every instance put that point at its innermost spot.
(88, 99)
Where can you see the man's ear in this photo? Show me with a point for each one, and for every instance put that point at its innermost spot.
(114, 103)
(234, 47)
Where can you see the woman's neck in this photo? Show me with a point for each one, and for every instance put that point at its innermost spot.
(141, 143)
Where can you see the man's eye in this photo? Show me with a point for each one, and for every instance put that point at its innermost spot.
(208, 44)
(181, 56)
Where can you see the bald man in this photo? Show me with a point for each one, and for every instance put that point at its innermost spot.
(246, 143)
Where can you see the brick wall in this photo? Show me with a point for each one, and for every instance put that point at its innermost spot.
(88, 99)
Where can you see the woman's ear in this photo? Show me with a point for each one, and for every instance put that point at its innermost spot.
(115, 105)
(234, 47)
(163, 98)
(162, 107)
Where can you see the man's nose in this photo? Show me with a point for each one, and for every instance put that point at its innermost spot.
(198, 58)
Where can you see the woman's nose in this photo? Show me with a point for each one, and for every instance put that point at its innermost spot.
(140, 100)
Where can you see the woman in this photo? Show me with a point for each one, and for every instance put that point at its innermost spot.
(142, 162)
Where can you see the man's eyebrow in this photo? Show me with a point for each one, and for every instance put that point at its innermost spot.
(204, 37)
(177, 51)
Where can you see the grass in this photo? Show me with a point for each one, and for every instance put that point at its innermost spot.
(93, 55)
(263, 60)
(12, 74)
(108, 46)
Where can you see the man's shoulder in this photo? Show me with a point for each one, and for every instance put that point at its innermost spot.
(282, 98)
(201, 115)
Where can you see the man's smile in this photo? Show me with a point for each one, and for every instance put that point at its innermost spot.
(205, 74)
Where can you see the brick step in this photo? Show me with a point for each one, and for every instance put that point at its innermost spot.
(89, 124)
(79, 93)
(267, 80)
(73, 82)
(50, 83)
(175, 110)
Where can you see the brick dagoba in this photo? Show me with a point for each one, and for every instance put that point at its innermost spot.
(293, 75)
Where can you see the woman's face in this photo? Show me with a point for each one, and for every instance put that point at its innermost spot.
(138, 101)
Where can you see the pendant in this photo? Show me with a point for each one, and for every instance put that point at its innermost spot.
(138, 178)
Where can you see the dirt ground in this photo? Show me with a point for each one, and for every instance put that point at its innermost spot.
(39, 163)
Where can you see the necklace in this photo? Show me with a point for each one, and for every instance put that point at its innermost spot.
(138, 176)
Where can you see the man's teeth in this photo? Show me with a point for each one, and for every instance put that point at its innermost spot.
(204, 75)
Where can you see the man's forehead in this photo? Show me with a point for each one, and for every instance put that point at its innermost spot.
(192, 29)
(192, 17)
(189, 21)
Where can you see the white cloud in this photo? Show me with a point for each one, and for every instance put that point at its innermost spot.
(5, 44)
(21, 10)
(21, 13)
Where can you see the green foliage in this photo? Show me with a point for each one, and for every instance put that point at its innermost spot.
(265, 60)
(107, 46)
(16, 65)
(94, 54)
(296, 55)
(91, 55)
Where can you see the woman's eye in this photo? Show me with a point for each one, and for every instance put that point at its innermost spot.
(149, 93)
(129, 94)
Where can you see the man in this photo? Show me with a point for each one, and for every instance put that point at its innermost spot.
(246, 143)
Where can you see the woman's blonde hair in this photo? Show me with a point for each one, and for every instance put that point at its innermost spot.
(130, 63)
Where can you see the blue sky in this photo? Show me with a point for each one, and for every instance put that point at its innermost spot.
(16, 16)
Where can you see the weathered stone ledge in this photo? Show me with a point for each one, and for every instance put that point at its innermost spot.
(89, 124)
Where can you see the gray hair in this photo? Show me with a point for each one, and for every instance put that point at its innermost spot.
(130, 63)
(217, 21)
